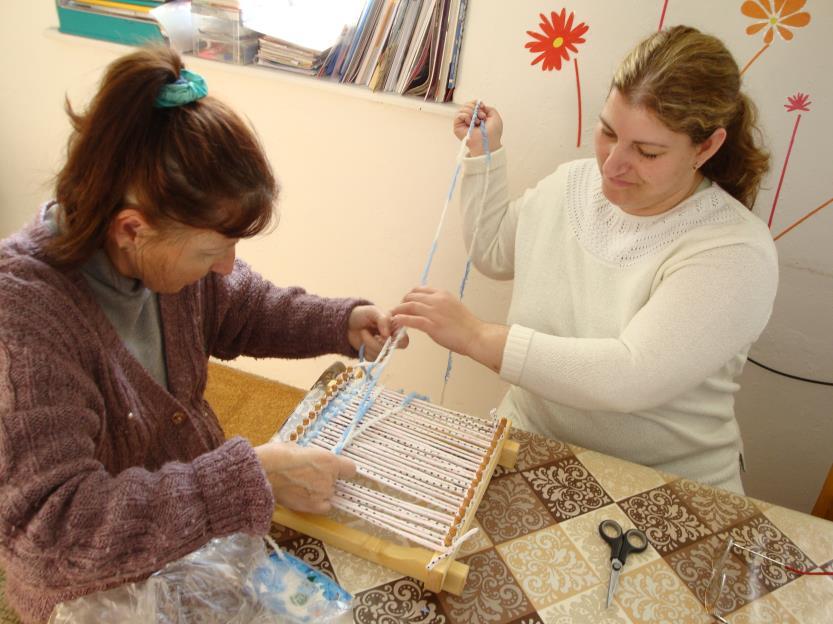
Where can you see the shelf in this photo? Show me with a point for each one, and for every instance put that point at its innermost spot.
(348, 90)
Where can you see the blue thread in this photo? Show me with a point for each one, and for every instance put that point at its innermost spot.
(424, 279)
(485, 138)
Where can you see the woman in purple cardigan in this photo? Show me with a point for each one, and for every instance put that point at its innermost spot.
(111, 462)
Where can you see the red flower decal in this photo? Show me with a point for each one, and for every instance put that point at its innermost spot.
(557, 38)
(799, 101)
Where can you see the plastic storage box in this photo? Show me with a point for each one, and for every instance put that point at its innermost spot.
(219, 34)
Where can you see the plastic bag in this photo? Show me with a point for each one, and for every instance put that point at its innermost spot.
(230, 580)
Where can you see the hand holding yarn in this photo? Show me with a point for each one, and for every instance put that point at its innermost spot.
(370, 327)
(494, 127)
(441, 315)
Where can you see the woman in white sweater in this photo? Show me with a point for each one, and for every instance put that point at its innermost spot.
(641, 279)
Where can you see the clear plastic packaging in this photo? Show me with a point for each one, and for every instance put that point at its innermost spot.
(219, 35)
(230, 580)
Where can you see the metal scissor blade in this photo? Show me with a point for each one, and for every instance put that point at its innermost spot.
(615, 567)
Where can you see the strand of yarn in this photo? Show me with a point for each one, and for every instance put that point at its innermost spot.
(461, 153)
(487, 152)
(375, 369)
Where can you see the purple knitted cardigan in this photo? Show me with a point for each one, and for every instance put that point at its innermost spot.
(105, 476)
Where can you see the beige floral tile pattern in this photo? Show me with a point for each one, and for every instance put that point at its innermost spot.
(403, 600)
(356, 574)
(536, 450)
(588, 606)
(548, 566)
(539, 559)
(767, 610)
(491, 595)
(511, 509)
(533, 618)
(664, 518)
(567, 488)
(762, 505)
(808, 598)
(717, 509)
(583, 531)
(477, 542)
(694, 565)
(653, 593)
(812, 535)
(760, 534)
(618, 477)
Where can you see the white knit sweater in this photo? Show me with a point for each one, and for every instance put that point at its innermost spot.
(626, 332)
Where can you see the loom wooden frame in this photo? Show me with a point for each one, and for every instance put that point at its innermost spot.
(448, 575)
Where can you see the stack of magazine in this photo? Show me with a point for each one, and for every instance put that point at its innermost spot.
(409, 47)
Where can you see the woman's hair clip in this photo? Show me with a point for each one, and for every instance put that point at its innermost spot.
(189, 87)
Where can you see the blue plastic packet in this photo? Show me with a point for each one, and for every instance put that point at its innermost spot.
(293, 589)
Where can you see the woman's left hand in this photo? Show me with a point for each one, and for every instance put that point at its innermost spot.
(450, 324)
(370, 326)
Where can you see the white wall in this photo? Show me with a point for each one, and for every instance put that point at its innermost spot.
(364, 181)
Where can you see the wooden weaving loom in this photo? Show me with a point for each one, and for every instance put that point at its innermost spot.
(422, 471)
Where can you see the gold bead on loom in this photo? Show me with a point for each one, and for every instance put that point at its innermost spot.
(359, 373)
(293, 437)
(299, 429)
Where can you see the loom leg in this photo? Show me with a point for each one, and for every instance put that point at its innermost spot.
(509, 454)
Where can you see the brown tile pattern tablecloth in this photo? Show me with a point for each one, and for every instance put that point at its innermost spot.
(539, 558)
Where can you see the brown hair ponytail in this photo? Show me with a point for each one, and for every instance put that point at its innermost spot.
(198, 164)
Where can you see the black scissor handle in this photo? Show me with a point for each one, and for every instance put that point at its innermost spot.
(610, 531)
(622, 543)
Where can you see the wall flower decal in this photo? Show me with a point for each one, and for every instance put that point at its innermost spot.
(798, 102)
(773, 16)
(553, 45)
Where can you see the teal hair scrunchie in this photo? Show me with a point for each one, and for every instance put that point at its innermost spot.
(189, 87)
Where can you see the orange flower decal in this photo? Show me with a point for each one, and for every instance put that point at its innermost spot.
(557, 38)
(777, 15)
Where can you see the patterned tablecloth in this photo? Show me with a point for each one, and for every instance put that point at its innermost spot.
(539, 557)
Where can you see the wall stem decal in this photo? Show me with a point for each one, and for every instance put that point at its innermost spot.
(552, 44)
(804, 218)
(662, 15)
(801, 102)
(754, 58)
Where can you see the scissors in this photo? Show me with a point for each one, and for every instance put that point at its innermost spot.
(622, 543)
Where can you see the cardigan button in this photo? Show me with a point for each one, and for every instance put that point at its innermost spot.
(178, 418)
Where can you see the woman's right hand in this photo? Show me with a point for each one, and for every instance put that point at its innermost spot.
(303, 478)
(494, 127)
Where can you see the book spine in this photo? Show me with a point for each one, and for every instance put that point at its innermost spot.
(455, 56)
